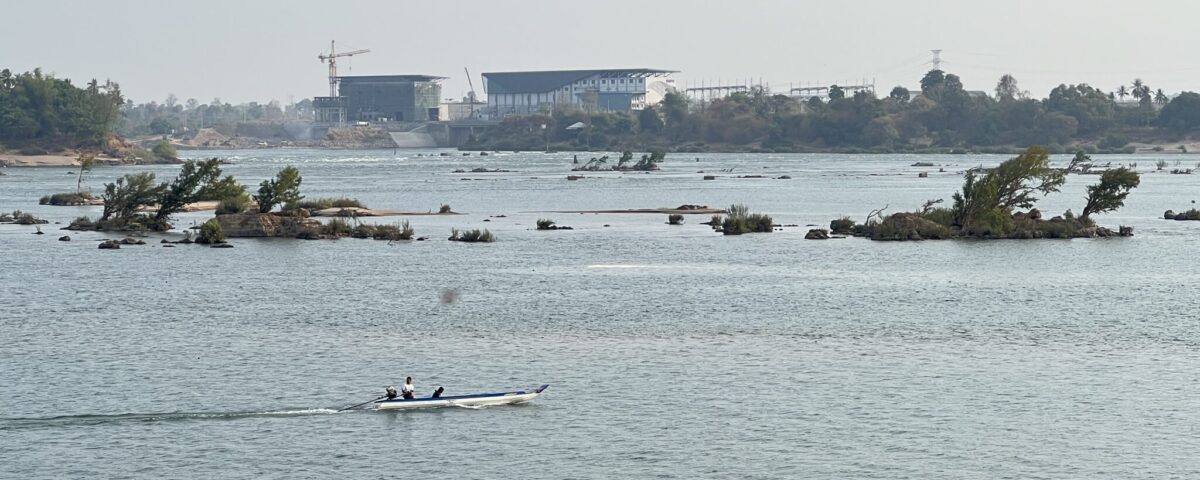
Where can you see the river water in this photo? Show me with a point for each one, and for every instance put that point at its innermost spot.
(671, 351)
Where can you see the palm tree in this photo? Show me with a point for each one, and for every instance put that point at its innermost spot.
(1160, 97)
(1137, 87)
(1122, 92)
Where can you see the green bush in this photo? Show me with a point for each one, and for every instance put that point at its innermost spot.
(23, 218)
(675, 219)
(364, 231)
(476, 235)
(738, 221)
(444, 209)
(164, 150)
(941, 216)
(66, 199)
(211, 233)
(841, 226)
(908, 226)
(336, 228)
(323, 203)
(401, 231)
(82, 223)
(235, 204)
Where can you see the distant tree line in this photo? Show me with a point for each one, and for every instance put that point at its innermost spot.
(942, 116)
(38, 110)
(175, 117)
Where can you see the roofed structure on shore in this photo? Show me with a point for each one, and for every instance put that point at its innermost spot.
(619, 90)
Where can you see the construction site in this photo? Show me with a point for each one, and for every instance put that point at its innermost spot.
(408, 110)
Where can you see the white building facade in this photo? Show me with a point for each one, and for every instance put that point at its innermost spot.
(614, 90)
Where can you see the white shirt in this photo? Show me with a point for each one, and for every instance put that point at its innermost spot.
(406, 388)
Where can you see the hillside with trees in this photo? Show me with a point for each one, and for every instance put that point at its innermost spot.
(39, 112)
(941, 116)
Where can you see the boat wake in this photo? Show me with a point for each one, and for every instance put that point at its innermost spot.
(87, 420)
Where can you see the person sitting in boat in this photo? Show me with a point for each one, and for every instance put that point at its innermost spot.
(406, 390)
(391, 392)
(438, 393)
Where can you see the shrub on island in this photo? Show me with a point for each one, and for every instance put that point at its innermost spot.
(211, 233)
(70, 199)
(738, 220)
(472, 236)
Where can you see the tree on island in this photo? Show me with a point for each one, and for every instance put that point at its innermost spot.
(985, 201)
(86, 161)
(1110, 193)
(283, 190)
(128, 196)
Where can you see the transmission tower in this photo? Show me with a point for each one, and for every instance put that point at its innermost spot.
(937, 59)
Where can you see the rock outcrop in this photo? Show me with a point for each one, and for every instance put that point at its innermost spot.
(250, 225)
(817, 234)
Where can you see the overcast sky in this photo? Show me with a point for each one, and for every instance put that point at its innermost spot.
(260, 50)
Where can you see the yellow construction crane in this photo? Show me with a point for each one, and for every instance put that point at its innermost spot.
(332, 57)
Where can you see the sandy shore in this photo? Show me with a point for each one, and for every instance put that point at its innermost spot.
(10, 159)
(367, 212)
(684, 211)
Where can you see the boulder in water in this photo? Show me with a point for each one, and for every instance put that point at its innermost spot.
(110, 245)
(817, 234)
(64, 238)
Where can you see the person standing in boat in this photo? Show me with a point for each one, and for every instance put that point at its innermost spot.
(407, 389)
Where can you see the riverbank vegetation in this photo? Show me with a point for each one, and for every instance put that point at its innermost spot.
(42, 114)
(940, 116)
(987, 206)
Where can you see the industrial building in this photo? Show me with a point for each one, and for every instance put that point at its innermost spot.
(381, 98)
(614, 90)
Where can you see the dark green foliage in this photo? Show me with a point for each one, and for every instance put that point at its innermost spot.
(336, 228)
(738, 220)
(66, 199)
(1110, 193)
(545, 224)
(402, 231)
(945, 117)
(283, 190)
(124, 197)
(476, 235)
(36, 108)
(21, 218)
(163, 150)
(82, 223)
(842, 225)
(908, 226)
(323, 203)
(235, 204)
(1013, 184)
(444, 209)
(211, 233)
(675, 219)
(1182, 113)
(363, 231)
(197, 180)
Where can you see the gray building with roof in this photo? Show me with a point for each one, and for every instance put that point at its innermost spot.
(382, 98)
(614, 90)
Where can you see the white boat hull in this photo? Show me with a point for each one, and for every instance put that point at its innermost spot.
(483, 400)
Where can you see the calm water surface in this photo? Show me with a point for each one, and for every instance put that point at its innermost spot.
(672, 352)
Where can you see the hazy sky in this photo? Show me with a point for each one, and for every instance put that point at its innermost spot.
(260, 50)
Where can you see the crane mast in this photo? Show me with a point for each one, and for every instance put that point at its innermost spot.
(332, 58)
